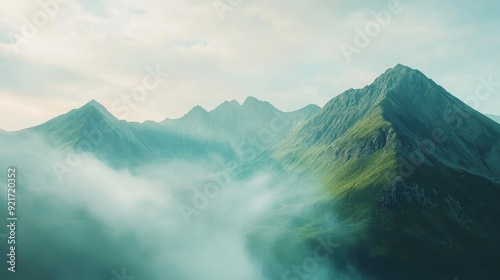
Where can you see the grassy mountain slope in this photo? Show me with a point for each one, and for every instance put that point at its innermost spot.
(412, 169)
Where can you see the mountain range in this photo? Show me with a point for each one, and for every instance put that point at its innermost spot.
(224, 133)
(408, 168)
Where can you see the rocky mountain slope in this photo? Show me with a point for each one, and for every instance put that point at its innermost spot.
(409, 169)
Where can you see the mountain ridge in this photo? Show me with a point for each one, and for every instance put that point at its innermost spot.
(402, 160)
(195, 134)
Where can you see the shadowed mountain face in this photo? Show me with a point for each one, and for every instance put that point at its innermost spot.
(415, 170)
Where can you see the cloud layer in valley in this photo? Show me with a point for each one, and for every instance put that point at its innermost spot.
(100, 221)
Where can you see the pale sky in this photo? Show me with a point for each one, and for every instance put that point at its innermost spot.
(58, 57)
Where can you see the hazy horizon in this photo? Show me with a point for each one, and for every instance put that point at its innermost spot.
(240, 102)
(291, 54)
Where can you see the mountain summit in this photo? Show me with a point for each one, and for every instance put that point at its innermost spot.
(414, 167)
(400, 105)
(66, 129)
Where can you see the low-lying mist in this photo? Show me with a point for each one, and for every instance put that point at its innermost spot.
(175, 220)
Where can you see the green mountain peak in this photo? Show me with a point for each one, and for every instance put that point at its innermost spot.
(407, 162)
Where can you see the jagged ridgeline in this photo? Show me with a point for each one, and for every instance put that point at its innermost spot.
(219, 136)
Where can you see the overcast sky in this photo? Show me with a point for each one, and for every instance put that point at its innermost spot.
(283, 51)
